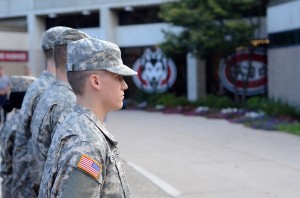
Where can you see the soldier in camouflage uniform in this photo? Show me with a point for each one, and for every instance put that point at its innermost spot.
(84, 158)
(54, 104)
(19, 86)
(20, 186)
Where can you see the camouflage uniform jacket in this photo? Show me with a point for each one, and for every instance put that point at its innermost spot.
(54, 104)
(19, 184)
(8, 133)
(83, 136)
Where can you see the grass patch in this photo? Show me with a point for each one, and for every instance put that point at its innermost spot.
(290, 128)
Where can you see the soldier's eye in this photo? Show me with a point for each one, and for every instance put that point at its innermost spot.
(120, 78)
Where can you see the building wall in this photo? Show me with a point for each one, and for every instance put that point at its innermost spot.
(125, 36)
(284, 16)
(22, 7)
(284, 72)
(284, 53)
(13, 41)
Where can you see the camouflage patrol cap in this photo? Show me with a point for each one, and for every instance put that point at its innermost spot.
(21, 83)
(50, 36)
(92, 54)
(68, 36)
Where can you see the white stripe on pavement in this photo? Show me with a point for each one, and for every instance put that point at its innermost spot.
(156, 180)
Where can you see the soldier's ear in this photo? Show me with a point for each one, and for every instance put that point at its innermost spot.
(95, 81)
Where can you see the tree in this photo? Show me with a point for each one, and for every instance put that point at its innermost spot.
(209, 26)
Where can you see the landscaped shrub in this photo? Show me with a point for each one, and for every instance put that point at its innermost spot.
(167, 100)
(224, 102)
(255, 103)
(140, 96)
(171, 100)
(277, 109)
(153, 99)
(217, 102)
(272, 108)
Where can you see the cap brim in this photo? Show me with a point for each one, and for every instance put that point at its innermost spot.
(122, 70)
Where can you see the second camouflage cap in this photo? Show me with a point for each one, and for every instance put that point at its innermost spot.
(51, 35)
(68, 36)
(91, 54)
(21, 83)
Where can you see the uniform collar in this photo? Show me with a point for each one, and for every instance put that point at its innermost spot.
(101, 126)
(48, 74)
(62, 83)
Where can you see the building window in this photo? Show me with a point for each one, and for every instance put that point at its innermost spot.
(286, 38)
(17, 24)
(85, 19)
(138, 15)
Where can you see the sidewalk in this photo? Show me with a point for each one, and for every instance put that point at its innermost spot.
(140, 187)
(208, 158)
(205, 158)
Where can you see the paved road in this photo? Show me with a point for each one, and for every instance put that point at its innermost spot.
(194, 157)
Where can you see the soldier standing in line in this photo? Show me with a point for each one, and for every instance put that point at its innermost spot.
(20, 186)
(4, 89)
(19, 86)
(84, 159)
(54, 104)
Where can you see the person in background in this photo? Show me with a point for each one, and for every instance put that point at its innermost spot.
(19, 86)
(26, 71)
(20, 186)
(4, 90)
(55, 103)
(84, 159)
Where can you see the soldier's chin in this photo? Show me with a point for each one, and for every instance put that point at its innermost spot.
(119, 106)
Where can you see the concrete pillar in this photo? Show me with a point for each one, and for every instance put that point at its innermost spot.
(196, 78)
(36, 28)
(108, 23)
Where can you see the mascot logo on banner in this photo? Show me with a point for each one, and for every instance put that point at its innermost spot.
(257, 80)
(156, 72)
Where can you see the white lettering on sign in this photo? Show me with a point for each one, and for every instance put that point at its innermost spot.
(10, 56)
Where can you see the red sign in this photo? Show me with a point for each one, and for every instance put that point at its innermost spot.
(257, 77)
(156, 72)
(13, 56)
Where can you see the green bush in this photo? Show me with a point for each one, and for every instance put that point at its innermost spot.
(216, 102)
(255, 103)
(167, 99)
(277, 109)
(171, 100)
(271, 107)
(153, 99)
(140, 96)
(224, 102)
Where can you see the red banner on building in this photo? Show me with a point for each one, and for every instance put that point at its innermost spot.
(13, 56)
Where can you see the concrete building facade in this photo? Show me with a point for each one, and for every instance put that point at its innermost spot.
(283, 27)
(132, 24)
(108, 22)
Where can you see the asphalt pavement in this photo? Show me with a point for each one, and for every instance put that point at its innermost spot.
(172, 155)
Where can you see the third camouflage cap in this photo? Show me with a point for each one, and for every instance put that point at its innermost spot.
(50, 36)
(68, 36)
(21, 83)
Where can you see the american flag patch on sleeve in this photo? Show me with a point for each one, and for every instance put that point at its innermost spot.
(89, 166)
